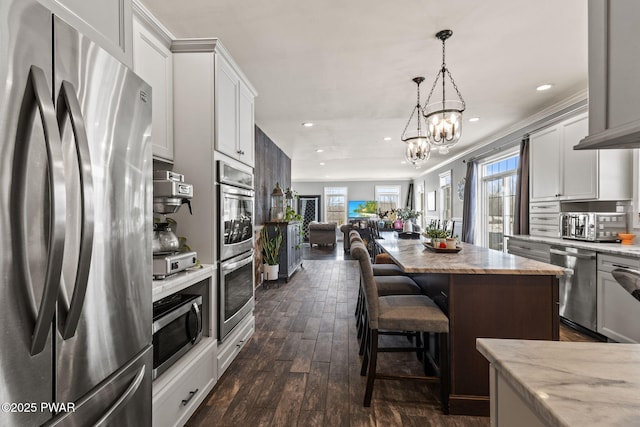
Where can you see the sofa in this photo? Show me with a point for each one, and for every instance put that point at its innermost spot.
(322, 233)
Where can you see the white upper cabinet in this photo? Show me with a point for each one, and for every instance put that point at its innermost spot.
(214, 101)
(614, 86)
(152, 60)
(246, 127)
(558, 172)
(106, 22)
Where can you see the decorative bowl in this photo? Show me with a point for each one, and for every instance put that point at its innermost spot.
(626, 238)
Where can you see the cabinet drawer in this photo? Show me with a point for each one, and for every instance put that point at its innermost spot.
(544, 207)
(532, 250)
(609, 263)
(179, 399)
(234, 342)
(551, 230)
(545, 219)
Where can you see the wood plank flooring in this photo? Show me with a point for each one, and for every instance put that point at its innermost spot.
(301, 367)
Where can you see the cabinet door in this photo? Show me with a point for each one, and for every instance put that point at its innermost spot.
(153, 62)
(246, 125)
(580, 167)
(544, 171)
(226, 109)
(624, 60)
(107, 22)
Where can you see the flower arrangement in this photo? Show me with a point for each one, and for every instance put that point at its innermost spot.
(407, 214)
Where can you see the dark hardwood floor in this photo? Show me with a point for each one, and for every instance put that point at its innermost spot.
(301, 367)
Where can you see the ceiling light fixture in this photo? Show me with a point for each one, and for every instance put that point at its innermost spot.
(444, 119)
(544, 87)
(307, 124)
(417, 149)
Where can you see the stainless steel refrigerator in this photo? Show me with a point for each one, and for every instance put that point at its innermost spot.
(75, 228)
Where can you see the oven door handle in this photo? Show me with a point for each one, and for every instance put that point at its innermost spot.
(237, 264)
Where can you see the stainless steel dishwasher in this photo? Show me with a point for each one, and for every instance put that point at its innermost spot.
(578, 293)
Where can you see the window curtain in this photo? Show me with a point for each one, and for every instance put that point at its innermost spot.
(521, 211)
(470, 203)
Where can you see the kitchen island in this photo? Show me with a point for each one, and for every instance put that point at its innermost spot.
(490, 294)
(543, 383)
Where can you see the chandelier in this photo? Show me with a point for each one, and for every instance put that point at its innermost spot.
(417, 146)
(444, 118)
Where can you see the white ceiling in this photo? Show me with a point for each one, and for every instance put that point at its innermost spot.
(347, 67)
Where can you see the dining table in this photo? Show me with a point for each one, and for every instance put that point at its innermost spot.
(489, 294)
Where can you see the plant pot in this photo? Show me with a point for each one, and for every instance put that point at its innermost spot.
(407, 226)
(270, 271)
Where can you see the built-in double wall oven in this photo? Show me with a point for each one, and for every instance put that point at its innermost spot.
(235, 251)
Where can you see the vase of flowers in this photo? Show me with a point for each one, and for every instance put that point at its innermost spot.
(408, 217)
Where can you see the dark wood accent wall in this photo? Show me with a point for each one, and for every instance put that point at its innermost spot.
(272, 165)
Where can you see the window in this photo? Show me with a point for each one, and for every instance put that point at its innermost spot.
(498, 180)
(445, 195)
(335, 204)
(388, 197)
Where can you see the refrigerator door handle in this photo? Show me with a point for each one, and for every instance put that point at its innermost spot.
(69, 106)
(37, 96)
(123, 399)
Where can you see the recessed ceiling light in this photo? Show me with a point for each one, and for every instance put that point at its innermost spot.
(321, 163)
(544, 87)
(319, 150)
(307, 124)
(474, 119)
(387, 138)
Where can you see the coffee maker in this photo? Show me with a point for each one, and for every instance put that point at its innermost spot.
(170, 192)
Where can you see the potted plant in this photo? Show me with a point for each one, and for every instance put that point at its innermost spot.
(408, 216)
(270, 250)
(437, 236)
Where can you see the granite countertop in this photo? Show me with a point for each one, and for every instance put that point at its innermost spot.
(179, 281)
(571, 383)
(413, 257)
(608, 248)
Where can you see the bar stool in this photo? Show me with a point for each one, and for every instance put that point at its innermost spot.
(396, 314)
(390, 280)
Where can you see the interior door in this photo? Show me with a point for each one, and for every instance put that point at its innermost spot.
(309, 208)
(25, 208)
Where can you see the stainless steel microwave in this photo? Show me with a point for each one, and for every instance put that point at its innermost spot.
(177, 327)
(592, 226)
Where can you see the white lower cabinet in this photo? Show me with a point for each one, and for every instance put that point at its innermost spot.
(508, 408)
(618, 310)
(176, 397)
(234, 342)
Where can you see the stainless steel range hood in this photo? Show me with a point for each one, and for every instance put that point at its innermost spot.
(622, 136)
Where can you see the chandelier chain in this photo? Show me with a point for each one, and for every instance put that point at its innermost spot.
(442, 72)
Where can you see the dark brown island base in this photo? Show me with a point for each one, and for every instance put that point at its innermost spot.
(490, 294)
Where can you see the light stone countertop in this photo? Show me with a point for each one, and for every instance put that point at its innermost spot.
(179, 281)
(608, 248)
(413, 257)
(571, 383)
